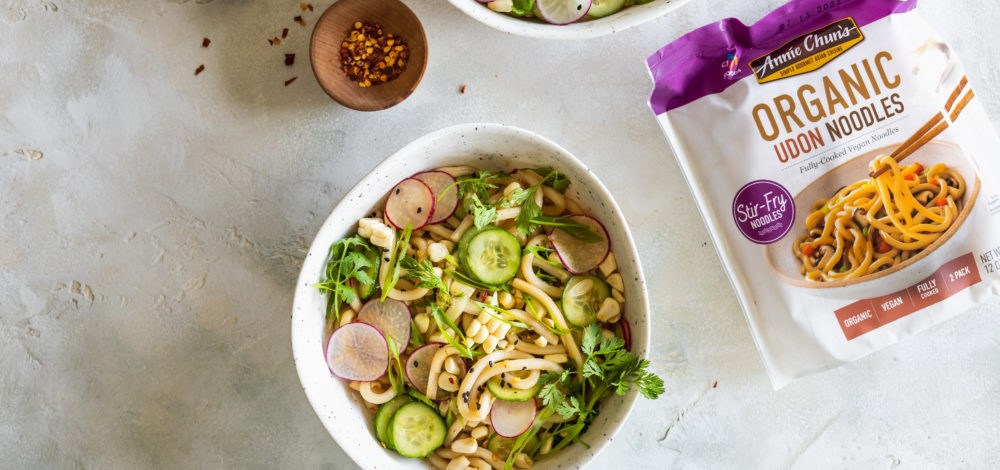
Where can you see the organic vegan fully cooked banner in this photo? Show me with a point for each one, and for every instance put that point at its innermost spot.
(845, 169)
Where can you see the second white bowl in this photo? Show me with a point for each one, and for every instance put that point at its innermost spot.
(624, 19)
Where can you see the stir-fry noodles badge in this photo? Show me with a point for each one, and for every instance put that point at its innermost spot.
(764, 211)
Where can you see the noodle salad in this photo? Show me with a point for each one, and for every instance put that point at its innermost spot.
(479, 315)
(874, 224)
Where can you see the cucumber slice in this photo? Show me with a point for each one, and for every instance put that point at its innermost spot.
(492, 256)
(416, 430)
(384, 414)
(463, 242)
(602, 8)
(504, 391)
(582, 298)
(373, 253)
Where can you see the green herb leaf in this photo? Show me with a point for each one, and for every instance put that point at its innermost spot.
(571, 227)
(592, 369)
(423, 273)
(529, 211)
(458, 276)
(347, 262)
(395, 370)
(482, 215)
(421, 397)
(559, 182)
(444, 324)
(548, 279)
(490, 309)
(591, 338)
(569, 407)
(398, 251)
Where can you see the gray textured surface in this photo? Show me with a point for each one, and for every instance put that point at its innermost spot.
(153, 224)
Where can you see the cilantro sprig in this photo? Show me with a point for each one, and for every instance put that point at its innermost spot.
(474, 194)
(422, 273)
(574, 395)
(350, 261)
(531, 216)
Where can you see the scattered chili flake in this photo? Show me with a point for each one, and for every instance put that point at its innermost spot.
(299, 20)
(289, 59)
(205, 42)
(306, 6)
(290, 80)
(309, 6)
(716, 384)
(370, 57)
(284, 33)
(462, 90)
(199, 69)
(275, 41)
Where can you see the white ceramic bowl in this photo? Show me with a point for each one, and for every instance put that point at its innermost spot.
(624, 19)
(491, 146)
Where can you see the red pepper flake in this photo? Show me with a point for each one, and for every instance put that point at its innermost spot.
(309, 6)
(205, 42)
(275, 41)
(716, 384)
(808, 250)
(290, 80)
(299, 20)
(289, 59)
(940, 202)
(462, 90)
(284, 33)
(199, 69)
(370, 57)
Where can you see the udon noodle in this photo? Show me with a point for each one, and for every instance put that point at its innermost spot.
(879, 222)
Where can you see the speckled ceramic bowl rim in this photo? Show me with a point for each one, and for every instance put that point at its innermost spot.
(307, 344)
(627, 18)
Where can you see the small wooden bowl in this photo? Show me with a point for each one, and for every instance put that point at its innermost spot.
(337, 22)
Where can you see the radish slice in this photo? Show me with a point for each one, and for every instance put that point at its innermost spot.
(626, 333)
(577, 255)
(411, 202)
(512, 418)
(357, 351)
(418, 365)
(391, 317)
(440, 183)
(562, 11)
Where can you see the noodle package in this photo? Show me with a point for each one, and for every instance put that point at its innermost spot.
(845, 169)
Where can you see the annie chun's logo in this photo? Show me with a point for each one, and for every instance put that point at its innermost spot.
(807, 52)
